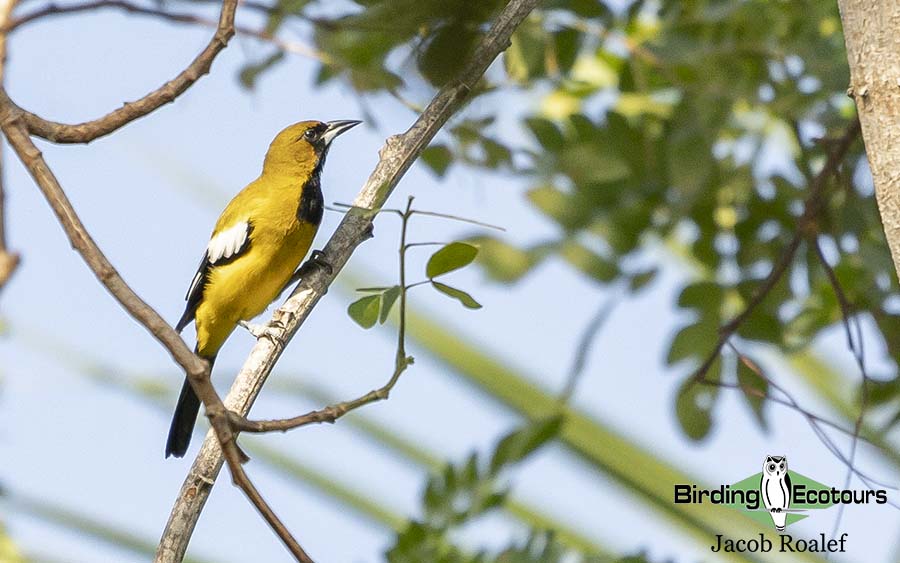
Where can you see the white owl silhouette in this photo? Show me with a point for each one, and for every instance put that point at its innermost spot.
(775, 488)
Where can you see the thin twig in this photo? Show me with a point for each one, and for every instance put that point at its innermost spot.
(430, 214)
(396, 157)
(89, 130)
(458, 218)
(851, 325)
(806, 224)
(415, 244)
(585, 343)
(52, 10)
(790, 401)
(805, 167)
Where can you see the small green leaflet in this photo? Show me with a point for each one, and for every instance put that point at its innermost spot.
(451, 257)
(370, 309)
(365, 311)
(457, 294)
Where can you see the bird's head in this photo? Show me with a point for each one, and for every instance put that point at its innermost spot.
(301, 148)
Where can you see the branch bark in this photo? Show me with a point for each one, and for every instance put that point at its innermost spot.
(9, 261)
(89, 130)
(396, 157)
(872, 37)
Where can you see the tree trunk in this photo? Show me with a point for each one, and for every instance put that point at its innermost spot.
(872, 36)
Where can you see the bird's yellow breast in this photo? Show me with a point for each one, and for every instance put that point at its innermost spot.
(243, 288)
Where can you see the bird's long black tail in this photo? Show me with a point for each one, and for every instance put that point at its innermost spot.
(184, 419)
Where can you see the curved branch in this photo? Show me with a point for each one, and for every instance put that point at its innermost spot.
(89, 130)
(9, 261)
(398, 154)
(82, 242)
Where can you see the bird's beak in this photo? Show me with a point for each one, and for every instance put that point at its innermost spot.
(335, 128)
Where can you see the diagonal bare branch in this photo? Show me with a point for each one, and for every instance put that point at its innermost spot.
(398, 154)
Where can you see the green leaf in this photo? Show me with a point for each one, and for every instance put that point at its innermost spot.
(251, 71)
(495, 154)
(761, 325)
(640, 280)
(524, 59)
(698, 295)
(692, 341)
(754, 387)
(566, 209)
(438, 158)
(546, 132)
(365, 311)
(451, 257)
(880, 391)
(501, 261)
(444, 56)
(457, 294)
(519, 444)
(593, 163)
(590, 263)
(694, 404)
(372, 289)
(567, 43)
(388, 298)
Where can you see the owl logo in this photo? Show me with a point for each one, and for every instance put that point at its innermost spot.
(775, 488)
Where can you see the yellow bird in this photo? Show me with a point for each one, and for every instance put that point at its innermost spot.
(255, 250)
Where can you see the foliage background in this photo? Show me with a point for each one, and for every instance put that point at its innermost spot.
(654, 156)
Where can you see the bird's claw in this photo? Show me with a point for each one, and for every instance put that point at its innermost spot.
(271, 330)
(317, 258)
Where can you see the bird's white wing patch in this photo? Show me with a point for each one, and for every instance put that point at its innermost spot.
(227, 243)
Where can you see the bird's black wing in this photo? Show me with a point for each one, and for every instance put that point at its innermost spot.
(223, 248)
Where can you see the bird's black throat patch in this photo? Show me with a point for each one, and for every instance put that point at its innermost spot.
(312, 203)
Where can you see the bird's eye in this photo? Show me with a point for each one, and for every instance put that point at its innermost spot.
(771, 468)
(781, 466)
(310, 135)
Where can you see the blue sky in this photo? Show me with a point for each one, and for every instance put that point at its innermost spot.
(150, 194)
